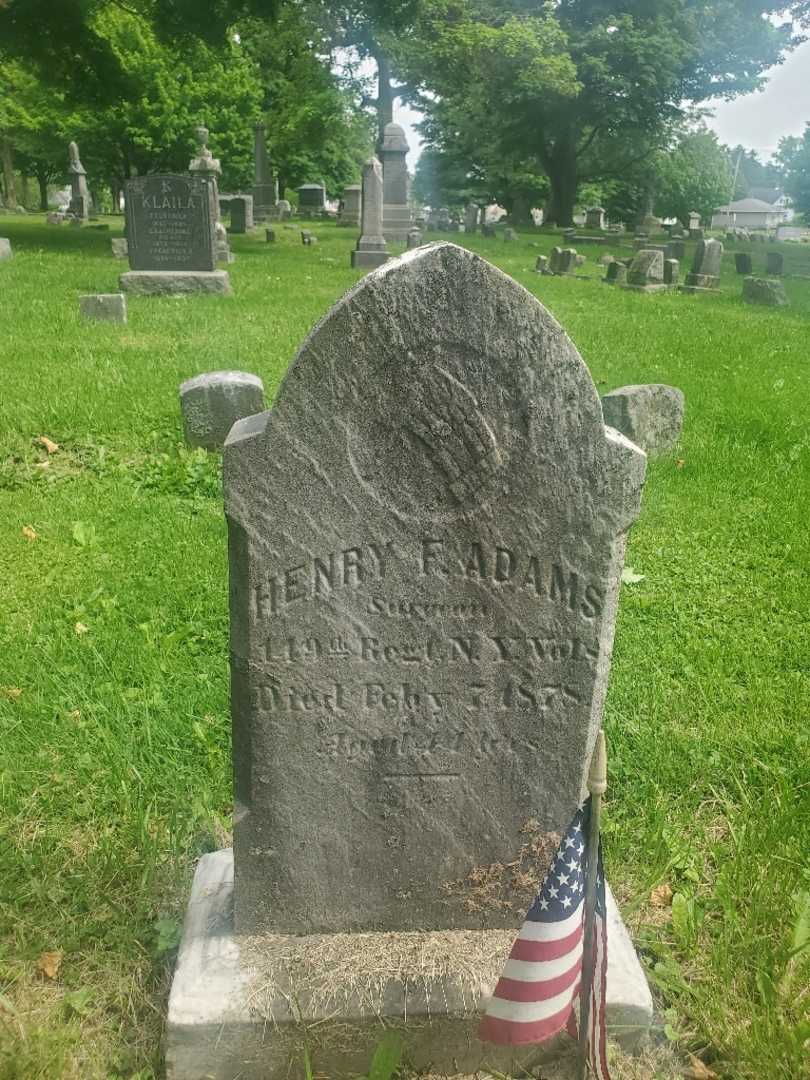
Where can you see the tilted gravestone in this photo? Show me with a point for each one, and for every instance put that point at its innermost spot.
(743, 263)
(104, 307)
(171, 236)
(371, 248)
(705, 272)
(616, 273)
(79, 195)
(764, 291)
(649, 415)
(426, 541)
(646, 273)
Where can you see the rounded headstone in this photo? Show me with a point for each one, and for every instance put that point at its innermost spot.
(650, 415)
(765, 291)
(212, 403)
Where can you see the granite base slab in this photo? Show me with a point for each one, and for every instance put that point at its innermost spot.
(369, 258)
(227, 1020)
(175, 282)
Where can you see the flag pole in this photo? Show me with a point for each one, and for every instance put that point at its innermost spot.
(597, 784)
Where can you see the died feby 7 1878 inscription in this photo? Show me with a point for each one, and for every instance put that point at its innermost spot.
(426, 540)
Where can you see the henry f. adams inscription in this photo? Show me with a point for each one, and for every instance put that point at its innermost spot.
(426, 540)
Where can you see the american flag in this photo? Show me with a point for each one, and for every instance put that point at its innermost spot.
(540, 985)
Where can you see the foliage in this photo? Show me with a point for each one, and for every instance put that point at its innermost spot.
(751, 172)
(693, 175)
(796, 159)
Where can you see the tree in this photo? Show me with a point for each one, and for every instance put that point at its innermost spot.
(693, 175)
(630, 66)
(795, 156)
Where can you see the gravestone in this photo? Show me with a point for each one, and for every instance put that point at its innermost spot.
(676, 249)
(80, 197)
(265, 187)
(595, 218)
(671, 271)
(284, 209)
(562, 261)
(270, 236)
(697, 234)
(171, 236)
(5, 248)
(616, 273)
(694, 221)
(471, 212)
(705, 272)
(207, 167)
(55, 217)
(541, 264)
(775, 263)
(509, 235)
(119, 247)
(371, 248)
(104, 307)
(646, 272)
(414, 239)
(311, 199)
(743, 263)
(396, 211)
(443, 219)
(241, 213)
(426, 542)
(488, 230)
(764, 291)
(650, 415)
(308, 238)
(349, 214)
(212, 403)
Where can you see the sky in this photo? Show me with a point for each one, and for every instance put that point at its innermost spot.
(757, 121)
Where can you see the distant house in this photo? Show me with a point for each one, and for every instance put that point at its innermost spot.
(749, 214)
(775, 197)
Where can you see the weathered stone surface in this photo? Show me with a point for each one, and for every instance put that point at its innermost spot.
(396, 212)
(509, 235)
(104, 307)
(764, 291)
(562, 261)
(80, 197)
(649, 415)
(705, 272)
(212, 403)
(223, 1024)
(311, 197)
(175, 282)
(55, 217)
(743, 263)
(371, 248)
(694, 220)
(471, 218)
(284, 209)
(171, 223)
(646, 271)
(270, 235)
(426, 539)
(488, 230)
(671, 271)
(595, 218)
(415, 239)
(308, 238)
(241, 213)
(775, 263)
(5, 248)
(541, 264)
(265, 188)
(119, 247)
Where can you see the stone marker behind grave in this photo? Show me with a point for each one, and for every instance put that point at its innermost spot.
(646, 273)
(488, 230)
(206, 166)
(349, 215)
(5, 248)
(671, 271)
(775, 263)
(649, 415)
(743, 263)
(171, 236)
(371, 248)
(241, 213)
(421, 628)
(104, 307)
(212, 403)
(676, 249)
(55, 217)
(764, 291)
(393, 159)
(705, 272)
(616, 273)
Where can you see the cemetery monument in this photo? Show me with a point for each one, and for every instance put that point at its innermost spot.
(396, 211)
(371, 248)
(349, 213)
(79, 206)
(705, 272)
(427, 535)
(207, 166)
(265, 186)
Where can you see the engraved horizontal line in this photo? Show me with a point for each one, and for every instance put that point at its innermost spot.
(422, 776)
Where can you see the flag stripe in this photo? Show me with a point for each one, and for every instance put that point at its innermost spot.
(537, 951)
(533, 930)
(508, 1032)
(529, 1012)
(519, 990)
(535, 973)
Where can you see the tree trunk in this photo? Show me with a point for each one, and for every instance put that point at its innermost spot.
(385, 94)
(520, 213)
(24, 189)
(7, 154)
(42, 180)
(561, 167)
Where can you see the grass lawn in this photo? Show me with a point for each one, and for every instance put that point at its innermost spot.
(115, 764)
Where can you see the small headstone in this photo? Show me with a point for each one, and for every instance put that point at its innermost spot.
(743, 263)
(241, 213)
(616, 273)
(55, 217)
(775, 263)
(470, 217)
(509, 235)
(349, 213)
(646, 273)
(443, 219)
(414, 239)
(284, 209)
(651, 415)
(371, 248)
(5, 248)
(488, 230)
(694, 220)
(580, 260)
(765, 291)
(270, 235)
(120, 247)
(595, 218)
(671, 271)
(697, 234)
(705, 272)
(212, 403)
(311, 198)
(104, 307)
(308, 238)
(541, 265)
